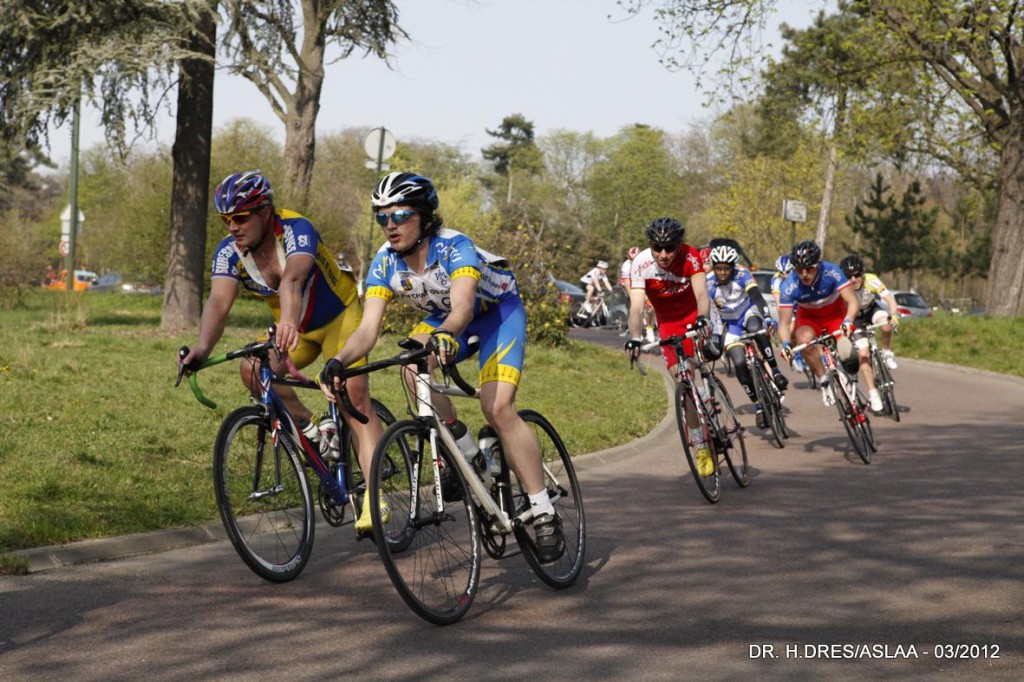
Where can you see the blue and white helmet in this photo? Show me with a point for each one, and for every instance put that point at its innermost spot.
(405, 188)
(242, 192)
(783, 265)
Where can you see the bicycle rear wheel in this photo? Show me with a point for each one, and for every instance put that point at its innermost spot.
(885, 384)
(730, 434)
(564, 490)
(263, 495)
(710, 486)
(432, 556)
(852, 419)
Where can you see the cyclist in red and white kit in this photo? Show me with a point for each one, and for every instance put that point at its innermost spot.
(671, 276)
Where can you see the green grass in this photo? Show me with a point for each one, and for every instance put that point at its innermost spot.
(982, 342)
(95, 441)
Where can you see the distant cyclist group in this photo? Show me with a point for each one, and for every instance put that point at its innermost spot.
(707, 301)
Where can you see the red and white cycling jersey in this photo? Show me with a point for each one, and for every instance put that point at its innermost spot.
(668, 290)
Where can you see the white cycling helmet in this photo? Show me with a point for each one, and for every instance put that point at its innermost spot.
(602, 264)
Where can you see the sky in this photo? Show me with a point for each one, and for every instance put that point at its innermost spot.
(576, 65)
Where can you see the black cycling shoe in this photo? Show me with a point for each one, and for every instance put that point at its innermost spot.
(761, 418)
(550, 542)
(780, 380)
(451, 487)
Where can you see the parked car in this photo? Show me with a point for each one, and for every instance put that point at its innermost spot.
(569, 292)
(113, 282)
(84, 279)
(910, 304)
(764, 283)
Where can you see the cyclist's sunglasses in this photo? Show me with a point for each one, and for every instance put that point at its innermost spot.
(397, 217)
(239, 217)
(813, 268)
(663, 248)
(236, 218)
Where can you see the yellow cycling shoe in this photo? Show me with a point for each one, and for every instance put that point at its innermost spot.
(705, 464)
(365, 524)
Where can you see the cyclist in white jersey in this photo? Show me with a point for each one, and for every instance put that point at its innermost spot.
(877, 306)
(596, 278)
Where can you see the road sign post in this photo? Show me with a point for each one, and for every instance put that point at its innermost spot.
(379, 144)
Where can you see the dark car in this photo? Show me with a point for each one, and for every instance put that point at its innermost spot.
(910, 304)
(569, 292)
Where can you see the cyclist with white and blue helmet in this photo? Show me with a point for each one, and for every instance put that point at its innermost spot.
(277, 255)
(743, 310)
(782, 269)
(464, 291)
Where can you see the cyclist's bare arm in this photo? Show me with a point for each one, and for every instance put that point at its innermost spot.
(699, 283)
(852, 303)
(361, 341)
(296, 270)
(637, 298)
(223, 291)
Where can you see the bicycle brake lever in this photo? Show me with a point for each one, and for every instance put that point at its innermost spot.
(182, 354)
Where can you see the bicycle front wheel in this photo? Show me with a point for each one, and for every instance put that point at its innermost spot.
(730, 436)
(767, 399)
(852, 419)
(263, 495)
(710, 486)
(430, 549)
(564, 490)
(885, 385)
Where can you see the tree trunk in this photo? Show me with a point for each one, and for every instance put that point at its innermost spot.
(1004, 291)
(300, 126)
(826, 195)
(183, 286)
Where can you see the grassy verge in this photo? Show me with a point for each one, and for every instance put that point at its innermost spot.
(96, 442)
(980, 342)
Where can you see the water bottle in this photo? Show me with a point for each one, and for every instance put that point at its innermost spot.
(489, 447)
(469, 448)
(330, 444)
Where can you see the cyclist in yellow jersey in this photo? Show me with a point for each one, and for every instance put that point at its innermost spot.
(464, 291)
(277, 255)
(871, 293)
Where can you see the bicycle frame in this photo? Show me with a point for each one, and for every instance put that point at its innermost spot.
(498, 520)
(281, 419)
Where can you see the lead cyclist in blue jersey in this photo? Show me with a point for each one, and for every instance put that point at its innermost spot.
(741, 304)
(277, 255)
(464, 291)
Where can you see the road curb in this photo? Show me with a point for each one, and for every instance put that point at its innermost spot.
(54, 557)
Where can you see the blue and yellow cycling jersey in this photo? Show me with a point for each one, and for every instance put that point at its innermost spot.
(732, 298)
(327, 291)
(451, 255)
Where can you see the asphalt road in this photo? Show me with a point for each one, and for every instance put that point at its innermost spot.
(823, 568)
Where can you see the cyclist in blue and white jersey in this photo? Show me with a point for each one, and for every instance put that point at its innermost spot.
(277, 255)
(464, 291)
(816, 298)
(740, 303)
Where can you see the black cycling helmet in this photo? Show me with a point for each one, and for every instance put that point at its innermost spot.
(805, 254)
(852, 265)
(405, 188)
(665, 230)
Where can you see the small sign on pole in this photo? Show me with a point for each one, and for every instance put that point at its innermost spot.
(795, 212)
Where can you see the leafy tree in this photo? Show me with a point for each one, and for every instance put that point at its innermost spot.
(281, 47)
(895, 234)
(633, 184)
(516, 154)
(966, 55)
